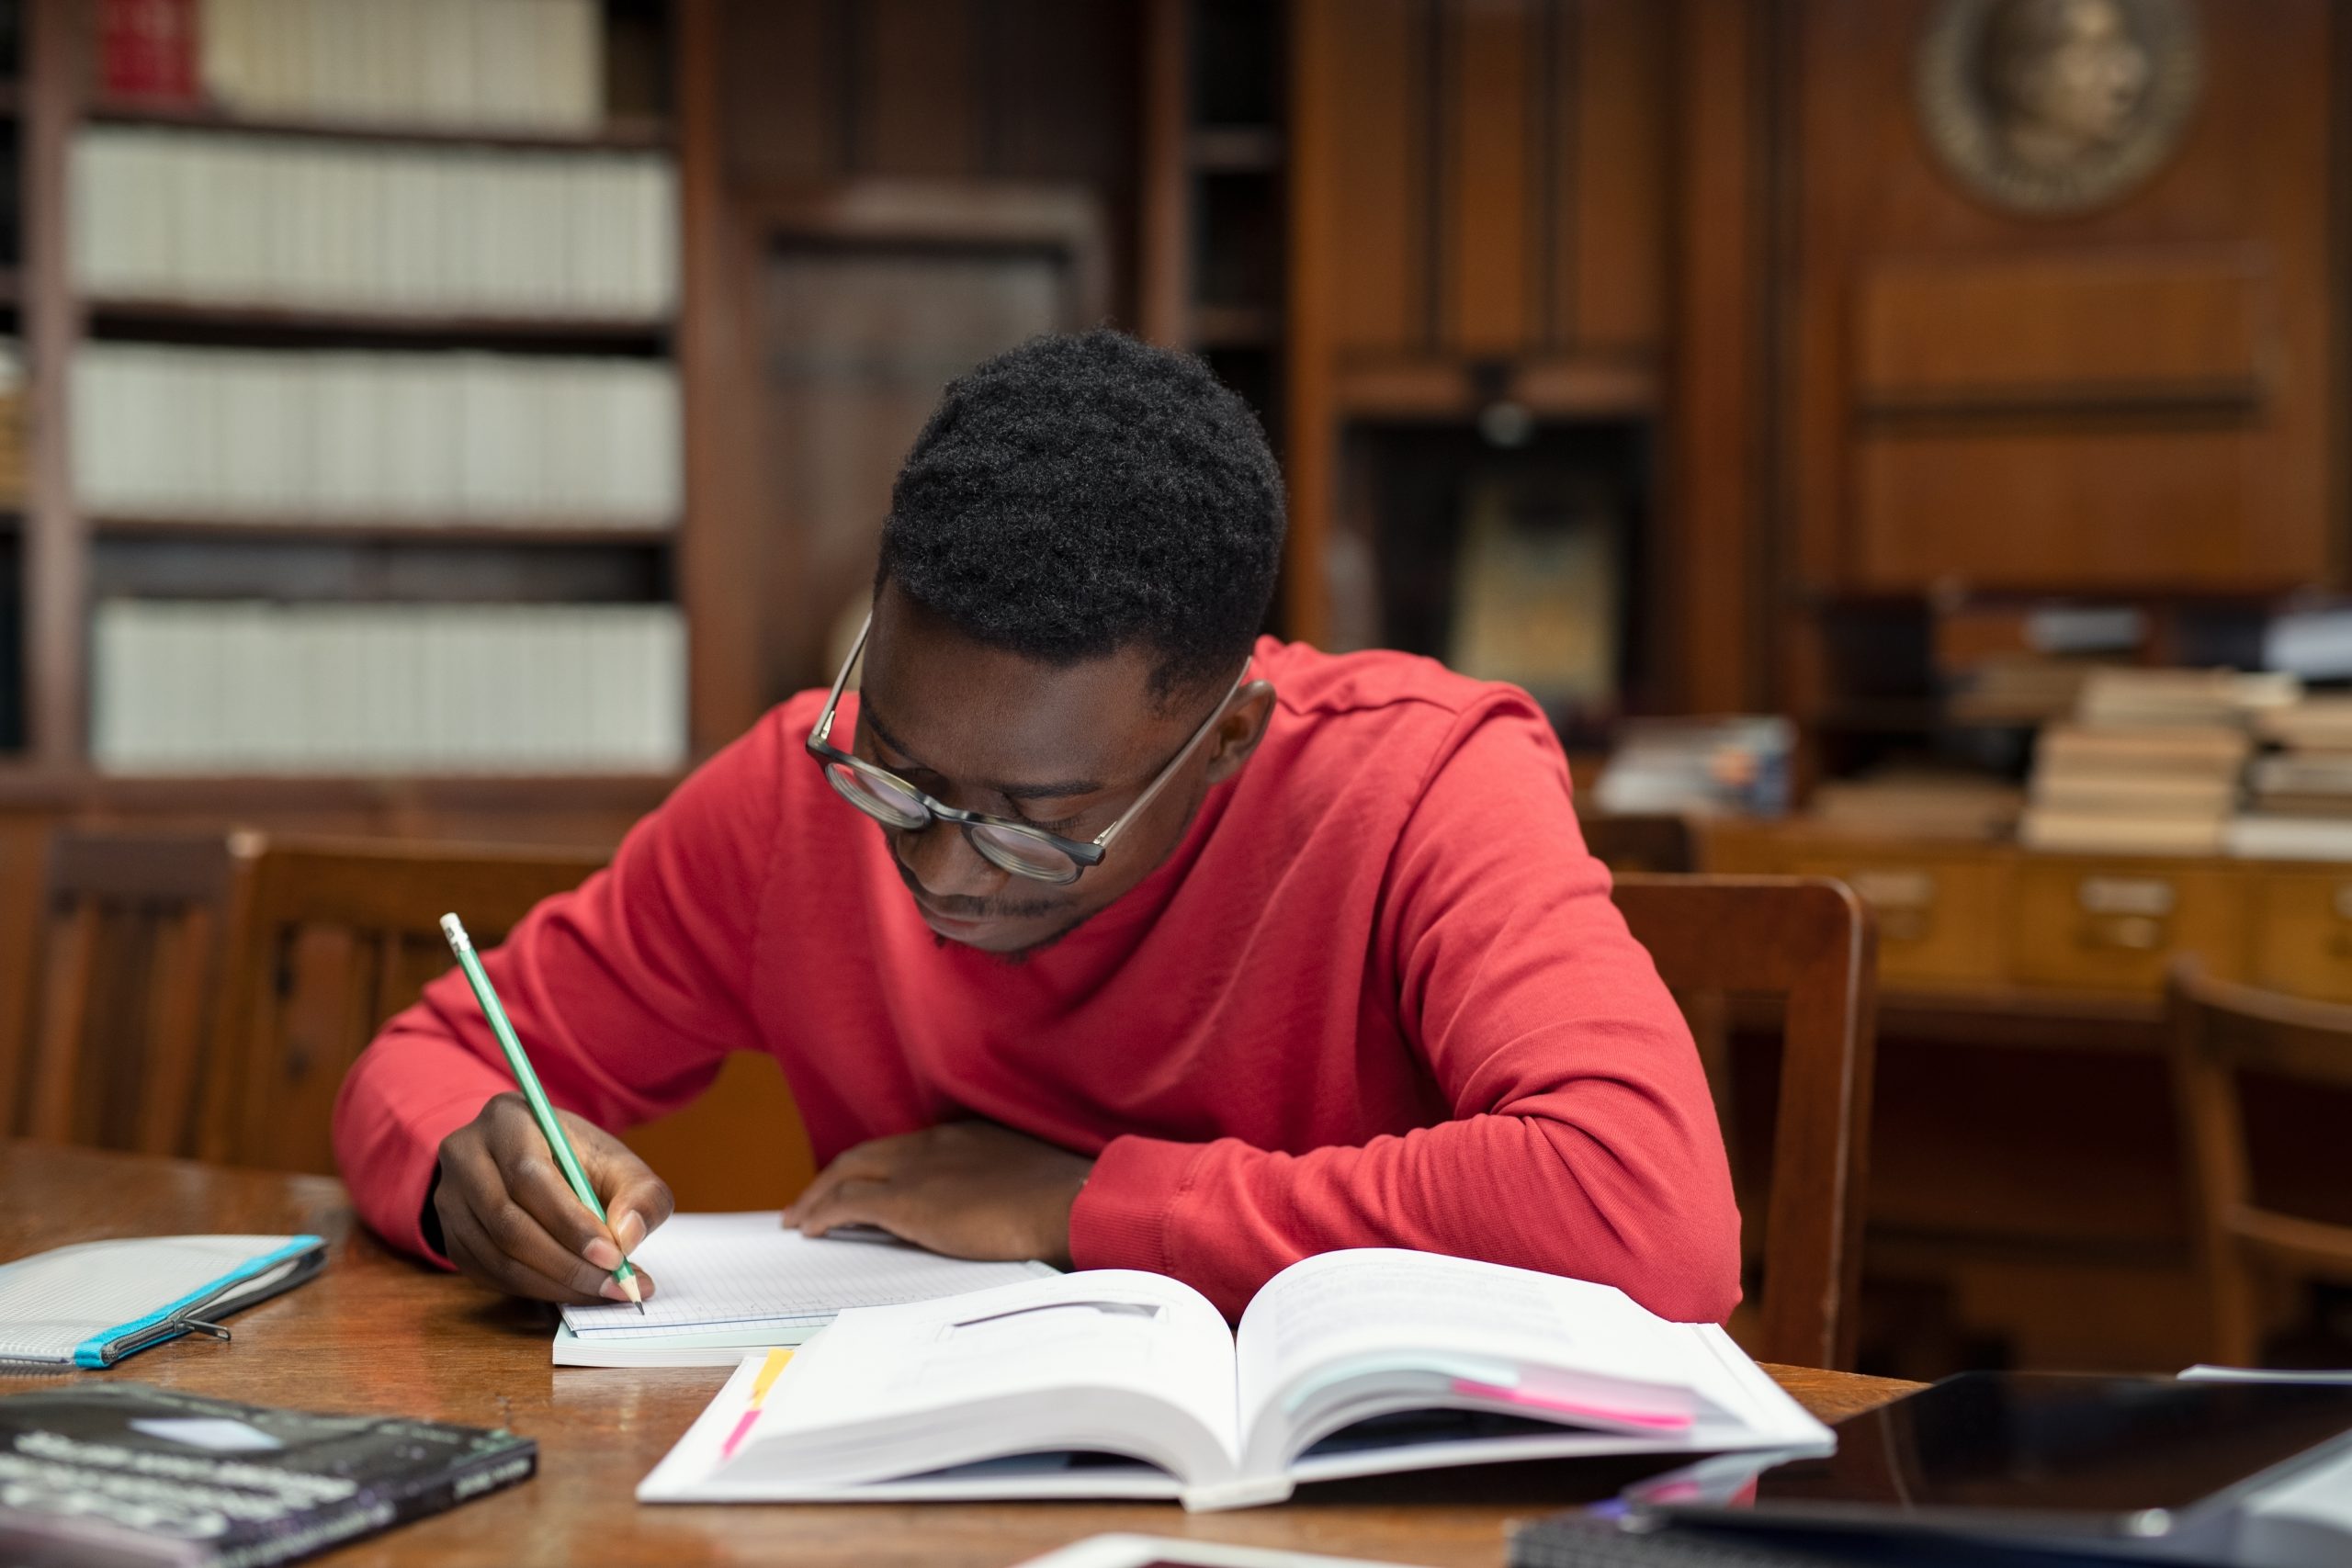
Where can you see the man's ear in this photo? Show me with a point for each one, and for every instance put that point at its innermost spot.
(1237, 733)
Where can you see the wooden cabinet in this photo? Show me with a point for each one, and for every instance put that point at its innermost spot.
(2012, 924)
(2114, 925)
(2300, 936)
(1938, 914)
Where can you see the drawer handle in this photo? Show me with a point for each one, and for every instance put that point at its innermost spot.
(2144, 895)
(1904, 902)
(2128, 933)
(1905, 926)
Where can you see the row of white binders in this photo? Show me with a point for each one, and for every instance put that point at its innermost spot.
(224, 219)
(538, 64)
(235, 687)
(160, 431)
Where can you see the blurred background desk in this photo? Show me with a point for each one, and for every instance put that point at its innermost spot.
(2030, 1200)
(379, 1334)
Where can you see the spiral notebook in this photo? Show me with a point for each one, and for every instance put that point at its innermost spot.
(92, 1304)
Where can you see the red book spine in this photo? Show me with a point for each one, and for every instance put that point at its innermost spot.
(147, 48)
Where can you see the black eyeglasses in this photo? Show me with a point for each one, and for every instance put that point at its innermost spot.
(1015, 847)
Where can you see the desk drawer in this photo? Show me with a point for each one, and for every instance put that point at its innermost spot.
(1940, 917)
(2113, 925)
(2303, 933)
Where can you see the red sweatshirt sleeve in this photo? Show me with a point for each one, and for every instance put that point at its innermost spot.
(628, 993)
(1585, 1140)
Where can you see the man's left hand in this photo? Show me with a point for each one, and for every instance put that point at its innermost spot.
(969, 1190)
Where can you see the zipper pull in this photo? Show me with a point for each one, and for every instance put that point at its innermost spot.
(200, 1326)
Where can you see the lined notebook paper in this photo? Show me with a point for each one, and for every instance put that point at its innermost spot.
(102, 1299)
(715, 1271)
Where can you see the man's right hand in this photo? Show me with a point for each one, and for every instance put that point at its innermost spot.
(509, 1219)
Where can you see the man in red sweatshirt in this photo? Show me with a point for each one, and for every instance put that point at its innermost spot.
(1093, 926)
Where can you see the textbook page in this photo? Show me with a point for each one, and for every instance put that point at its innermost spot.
(718, 1270)
(1109, 1361)
(1346, 1337)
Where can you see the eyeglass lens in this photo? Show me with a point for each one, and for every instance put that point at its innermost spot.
(882, 799)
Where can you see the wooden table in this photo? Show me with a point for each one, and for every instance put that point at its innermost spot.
(378, 1334)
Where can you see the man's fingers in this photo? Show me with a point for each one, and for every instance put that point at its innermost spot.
(848, 1203)
(482, 1257)
(874, 1160)
(636, 1200)
(505, 1206)
(535, 1183)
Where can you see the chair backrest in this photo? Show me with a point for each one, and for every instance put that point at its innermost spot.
(133, 927)
(339, 935)
(1644, 841)
(1810, 941)
(342, 934)
(2220, 1033)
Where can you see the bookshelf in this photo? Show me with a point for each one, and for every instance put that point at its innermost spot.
(427, 387)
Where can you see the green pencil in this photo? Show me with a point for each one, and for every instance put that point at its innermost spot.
(520, 1066)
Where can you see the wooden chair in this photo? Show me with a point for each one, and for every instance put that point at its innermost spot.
(1809, 943)
(134, 926)
(2221, 1033)
(341, 935)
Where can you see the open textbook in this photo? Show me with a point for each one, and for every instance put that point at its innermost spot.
(1112, 1384)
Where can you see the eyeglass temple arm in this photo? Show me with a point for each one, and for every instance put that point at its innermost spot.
(833, 702)
(1102, 840)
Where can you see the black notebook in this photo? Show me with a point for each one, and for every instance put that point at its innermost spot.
(132, 1474)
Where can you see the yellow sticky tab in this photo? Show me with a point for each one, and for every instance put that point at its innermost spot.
(768, 1370)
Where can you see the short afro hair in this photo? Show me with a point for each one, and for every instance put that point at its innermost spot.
(1083, 494)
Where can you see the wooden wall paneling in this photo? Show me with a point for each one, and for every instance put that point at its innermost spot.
(2061, 484)
(2132, 330)
(919, 113)
(1615, 180)
(1319, 83)
(1362, 77)
(1489, 228)
(1715, 494)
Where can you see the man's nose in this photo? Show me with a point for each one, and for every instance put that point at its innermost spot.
(944, 865)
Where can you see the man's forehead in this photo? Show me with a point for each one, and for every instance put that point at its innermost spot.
(986, 717)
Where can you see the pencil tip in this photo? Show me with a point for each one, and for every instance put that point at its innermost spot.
(640, 1309)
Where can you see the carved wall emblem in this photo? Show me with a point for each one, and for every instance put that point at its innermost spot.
(2057, 106)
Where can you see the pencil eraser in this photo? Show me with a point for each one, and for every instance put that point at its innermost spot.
(454, 931)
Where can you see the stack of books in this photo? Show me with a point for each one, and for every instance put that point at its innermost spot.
(2020, 689)
(206, 688)
(276, 221)
(524, 63)
(2151, 763)
(2299, 803)
(278, 435)
(1920, 803)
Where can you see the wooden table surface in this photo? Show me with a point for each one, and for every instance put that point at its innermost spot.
(378, 1334)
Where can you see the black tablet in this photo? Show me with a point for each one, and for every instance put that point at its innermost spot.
(2047, 1458)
